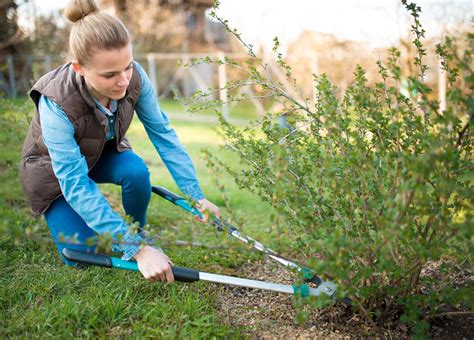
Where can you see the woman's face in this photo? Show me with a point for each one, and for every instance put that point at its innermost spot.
(108, 74)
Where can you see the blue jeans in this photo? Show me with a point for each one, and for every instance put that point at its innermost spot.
(122, 168)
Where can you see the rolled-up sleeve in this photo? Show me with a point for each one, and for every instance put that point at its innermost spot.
(165, 140)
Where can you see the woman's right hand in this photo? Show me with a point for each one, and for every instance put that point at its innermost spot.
(154, 265)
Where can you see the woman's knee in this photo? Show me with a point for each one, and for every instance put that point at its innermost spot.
(68, 229)
(137, 175)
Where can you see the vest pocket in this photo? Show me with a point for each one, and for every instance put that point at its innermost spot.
(37, 177)
(39, 183)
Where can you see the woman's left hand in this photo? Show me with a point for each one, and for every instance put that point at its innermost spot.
(206, 207)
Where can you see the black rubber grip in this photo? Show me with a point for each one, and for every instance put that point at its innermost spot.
(346, 301)
(315, 279)
(166, 194)
(81, 257)
(185, 274)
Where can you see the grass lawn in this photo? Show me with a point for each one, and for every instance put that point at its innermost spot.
(40, 297)
(244, 110)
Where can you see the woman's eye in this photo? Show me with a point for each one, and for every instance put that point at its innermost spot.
(110, 76)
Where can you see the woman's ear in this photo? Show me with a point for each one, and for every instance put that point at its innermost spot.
(77, 67)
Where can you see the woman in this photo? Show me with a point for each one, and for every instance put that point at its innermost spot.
(77, 139)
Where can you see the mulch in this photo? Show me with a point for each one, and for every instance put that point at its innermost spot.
(264, 314)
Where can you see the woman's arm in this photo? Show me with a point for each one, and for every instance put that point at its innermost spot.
(167, 144)
(165, 140)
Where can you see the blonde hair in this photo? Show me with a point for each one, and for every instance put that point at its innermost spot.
(92, 30)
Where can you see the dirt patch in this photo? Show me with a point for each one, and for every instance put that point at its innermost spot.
(265, 314)
(453, 326)
(268, 314)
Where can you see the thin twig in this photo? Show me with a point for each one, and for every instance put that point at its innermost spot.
(461, 133)
(296, 129)
(364, 311)
(244, 157)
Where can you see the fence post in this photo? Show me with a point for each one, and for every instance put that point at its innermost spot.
(314, 71)
(441, 87)
(11, 76)
(47, 62)
(152, 71)
(222, 85)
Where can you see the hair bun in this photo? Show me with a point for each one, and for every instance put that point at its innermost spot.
(78, 9)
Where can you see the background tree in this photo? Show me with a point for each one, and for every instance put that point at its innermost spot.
(169, 26)
(11, 34)
(48, 26)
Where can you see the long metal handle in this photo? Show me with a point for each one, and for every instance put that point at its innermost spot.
(327, 287)
(231, 230)
(191, 275)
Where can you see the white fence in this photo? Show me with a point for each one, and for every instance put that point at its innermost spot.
(18, 73)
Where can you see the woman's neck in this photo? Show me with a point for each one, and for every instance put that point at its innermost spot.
(103, 100)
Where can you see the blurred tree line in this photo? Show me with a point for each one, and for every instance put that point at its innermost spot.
(12, 36)
(182, 26)
(156, 26)
(319, 53)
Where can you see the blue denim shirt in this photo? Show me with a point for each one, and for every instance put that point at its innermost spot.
(70, 166)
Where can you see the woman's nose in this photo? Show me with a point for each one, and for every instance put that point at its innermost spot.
(123, 80)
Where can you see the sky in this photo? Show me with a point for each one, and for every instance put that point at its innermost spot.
(377, 22)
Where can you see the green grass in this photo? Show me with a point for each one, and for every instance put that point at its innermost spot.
(40, 297)
(243, 110)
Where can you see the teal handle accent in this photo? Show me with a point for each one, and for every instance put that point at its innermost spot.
(310, 277)
(126, 265)
(175, 199)
(186, 206)
(307, 274)
(179, 273)
(301, 290)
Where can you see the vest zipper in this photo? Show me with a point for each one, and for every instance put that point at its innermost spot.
(31, 157)
(118, 133)
(100, 152)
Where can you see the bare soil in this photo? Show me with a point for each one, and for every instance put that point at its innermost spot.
(264, 314)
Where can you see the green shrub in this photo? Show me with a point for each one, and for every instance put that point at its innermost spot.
(371, 187)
